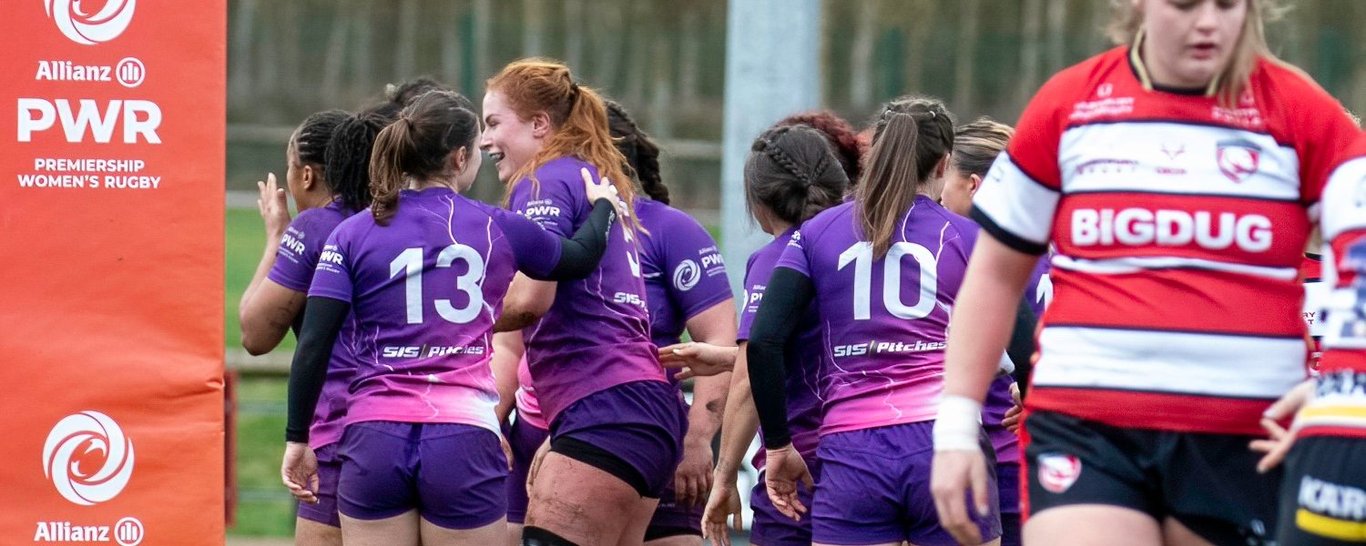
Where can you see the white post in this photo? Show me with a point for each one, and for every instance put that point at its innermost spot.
(772, 70)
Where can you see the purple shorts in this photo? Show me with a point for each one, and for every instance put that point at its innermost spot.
(875, 488)
(524, 439)
(771, 527)
(1008, 485)
(329, 469)
(454, 475)
(633, 431)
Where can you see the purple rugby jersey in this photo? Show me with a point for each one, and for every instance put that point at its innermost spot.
(425, 291)
(682, 267)
(295, 262)
(885, 320)
(597, 333)
(803, 396)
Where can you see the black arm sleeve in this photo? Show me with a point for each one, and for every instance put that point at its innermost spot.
(1021, 347)
(580, 255)
(322, 323)
(785, 301)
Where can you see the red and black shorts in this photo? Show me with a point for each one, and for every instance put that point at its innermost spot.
(1207, 482)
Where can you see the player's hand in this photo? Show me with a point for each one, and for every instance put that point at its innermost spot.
(692, 480)
(1280, 440)
(696, 359)
(722, 504)
(600, 190)
(507, 450)
(536, 465)
(784, 472)
(953, 474)
(273, 205)
(299, 472)
(1011, 421)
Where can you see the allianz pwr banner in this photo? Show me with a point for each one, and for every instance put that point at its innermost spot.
(111, 271)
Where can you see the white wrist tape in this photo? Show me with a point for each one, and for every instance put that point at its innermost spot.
(958, 425)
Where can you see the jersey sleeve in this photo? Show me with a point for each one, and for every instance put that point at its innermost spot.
(297, 256)
(333, 276)
(1321, 141)
(697, 274)
(756, 283)
(1019, 196)
(796, 256)
(550, 201)
(536, 250)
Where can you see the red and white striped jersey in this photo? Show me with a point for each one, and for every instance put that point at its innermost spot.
(1339, 404)
(1178, 224)
(1315, 292)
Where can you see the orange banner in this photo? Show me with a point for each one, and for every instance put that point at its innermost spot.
(111, 248)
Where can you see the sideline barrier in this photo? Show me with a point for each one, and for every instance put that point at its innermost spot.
(111, 236)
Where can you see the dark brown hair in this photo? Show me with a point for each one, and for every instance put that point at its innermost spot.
(792, 171)
(417, 146)
(910, 136)
(849, 149)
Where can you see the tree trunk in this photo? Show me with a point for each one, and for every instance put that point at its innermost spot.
(861, 53)
(363, 79)
(689, 63)
(966, 58)
(483, 52)
(1031, 20)
(291, 54)
(1057, 35)
(335, 61)
(241, 59)
(405, 50)
(533, 28)
(451, 51)
(574, 28)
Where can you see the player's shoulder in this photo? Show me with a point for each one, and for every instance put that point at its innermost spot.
(1096, 76)
(824, 220)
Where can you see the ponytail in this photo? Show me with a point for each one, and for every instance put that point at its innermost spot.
(386, 169)
(417, 146)
(910, 138)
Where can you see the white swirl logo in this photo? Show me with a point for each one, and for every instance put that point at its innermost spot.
(87, 29)
(686, 275)
(73, 439)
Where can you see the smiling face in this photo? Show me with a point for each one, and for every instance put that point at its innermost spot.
(1189, 42)
(510, 140)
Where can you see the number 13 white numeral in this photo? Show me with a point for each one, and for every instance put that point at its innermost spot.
(409, 262)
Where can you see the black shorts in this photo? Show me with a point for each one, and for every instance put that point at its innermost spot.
(1208, 482)
(1323, 501)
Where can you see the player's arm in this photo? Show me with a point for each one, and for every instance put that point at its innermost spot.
(322, 324)
(507, 355)
(789, 293)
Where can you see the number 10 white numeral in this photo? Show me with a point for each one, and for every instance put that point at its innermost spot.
(861, 254)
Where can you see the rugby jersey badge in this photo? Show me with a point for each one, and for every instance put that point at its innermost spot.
(1238, 158)
(1058, 471)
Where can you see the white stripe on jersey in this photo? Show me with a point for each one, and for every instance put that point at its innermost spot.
(1121, 266)
(1171, 362)
(1177, 158)
(1345, 195)
(1016, 201)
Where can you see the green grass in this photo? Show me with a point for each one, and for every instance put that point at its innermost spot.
(246, 238)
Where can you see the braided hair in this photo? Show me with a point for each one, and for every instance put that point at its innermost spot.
(642, 154)
(792, 171)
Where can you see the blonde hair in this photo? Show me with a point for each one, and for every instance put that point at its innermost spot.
(1126, 28)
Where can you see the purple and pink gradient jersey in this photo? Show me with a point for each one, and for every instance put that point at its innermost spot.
(425, 291)
(804, 350)
(295, 262)
(528, 406)
(597, 333)
(885, 319)
(683, 270)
